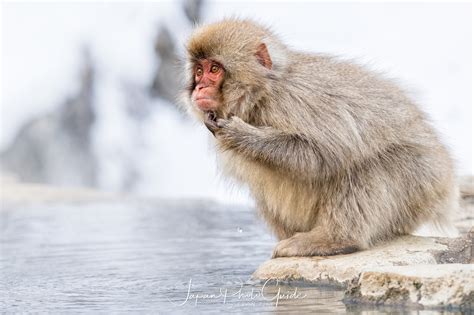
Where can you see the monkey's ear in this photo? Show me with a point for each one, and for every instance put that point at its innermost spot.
(263, 56)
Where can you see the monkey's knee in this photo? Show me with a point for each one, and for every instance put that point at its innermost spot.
(314, 244)
(280, 230)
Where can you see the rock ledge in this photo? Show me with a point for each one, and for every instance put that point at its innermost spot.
(407, 271)
(447, 286)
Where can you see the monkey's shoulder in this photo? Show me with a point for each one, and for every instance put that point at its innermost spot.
(335, 77)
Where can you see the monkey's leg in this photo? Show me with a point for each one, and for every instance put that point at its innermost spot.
(277, 227)
(316, 242)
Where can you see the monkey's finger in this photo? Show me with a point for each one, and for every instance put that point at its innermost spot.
(274, 254)
(280, 248)
(278, 252)
(212, 116)
(221, 122)
(211, 126)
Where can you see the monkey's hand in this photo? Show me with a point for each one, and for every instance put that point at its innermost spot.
(234, 132)
(211, 122)
(233, 123)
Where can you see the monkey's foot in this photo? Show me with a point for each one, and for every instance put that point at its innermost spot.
(310, 244)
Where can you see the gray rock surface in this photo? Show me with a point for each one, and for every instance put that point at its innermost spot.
(193, 10)
(167, 81)
(464, 219)
(342, 269)
(447, 286)
(409, 271)
(56, 148)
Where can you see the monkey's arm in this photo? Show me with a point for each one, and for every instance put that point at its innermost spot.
(295, 153)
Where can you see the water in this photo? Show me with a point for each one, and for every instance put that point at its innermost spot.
(137, 256)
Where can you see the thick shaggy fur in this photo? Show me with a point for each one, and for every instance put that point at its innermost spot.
(336, 157)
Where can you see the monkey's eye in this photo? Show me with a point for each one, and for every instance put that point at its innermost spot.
(214, 68)
(199, 71)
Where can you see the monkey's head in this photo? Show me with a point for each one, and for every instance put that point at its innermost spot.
(230, 68)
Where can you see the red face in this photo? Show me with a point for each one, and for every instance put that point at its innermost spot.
(208, 77)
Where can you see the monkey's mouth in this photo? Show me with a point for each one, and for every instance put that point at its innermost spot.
(205, 103)
(200, 98)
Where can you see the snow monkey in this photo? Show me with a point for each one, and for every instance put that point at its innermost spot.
(336, 157)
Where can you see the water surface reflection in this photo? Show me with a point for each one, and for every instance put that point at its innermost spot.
(143, 256)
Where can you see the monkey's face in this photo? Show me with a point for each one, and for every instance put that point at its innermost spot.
(228, 69)
(208, 78)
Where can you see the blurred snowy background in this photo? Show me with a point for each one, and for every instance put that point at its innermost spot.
(88, 89)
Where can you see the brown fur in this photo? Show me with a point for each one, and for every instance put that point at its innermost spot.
(336, 157)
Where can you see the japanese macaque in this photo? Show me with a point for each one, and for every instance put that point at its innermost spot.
(336, 157)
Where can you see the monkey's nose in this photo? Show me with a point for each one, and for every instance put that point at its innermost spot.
(201, 86)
